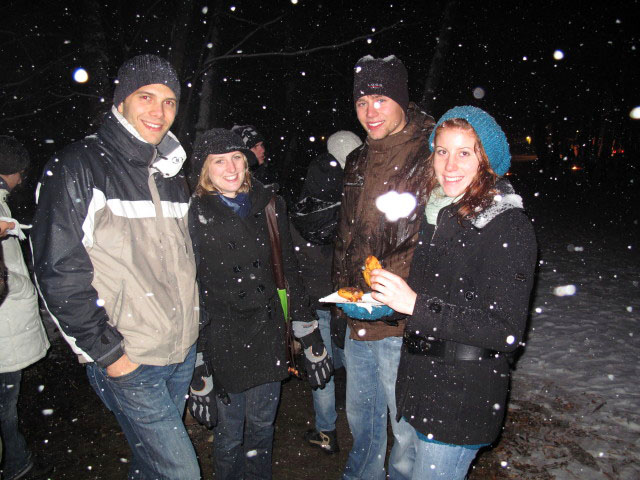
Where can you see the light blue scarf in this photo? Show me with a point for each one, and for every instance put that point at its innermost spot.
(437, 201)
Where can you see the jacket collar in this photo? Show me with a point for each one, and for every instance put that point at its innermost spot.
(166, 158)
(418, 123)
(505, 199)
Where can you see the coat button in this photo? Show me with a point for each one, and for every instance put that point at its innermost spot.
(257, 263)
(260, 288)
(232, 245)
(237, 268)
(468, 295)
(435, 307)
(242, 294)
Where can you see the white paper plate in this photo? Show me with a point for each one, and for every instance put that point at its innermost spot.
(366, 301)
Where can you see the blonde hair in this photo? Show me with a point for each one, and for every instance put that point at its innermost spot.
(206, 187)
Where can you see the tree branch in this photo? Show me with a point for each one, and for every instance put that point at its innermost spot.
(307, 51)
(250, 35)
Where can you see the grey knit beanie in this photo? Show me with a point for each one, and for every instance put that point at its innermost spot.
(381, 76)
(14, 157)
(144, 70)
(491, 135)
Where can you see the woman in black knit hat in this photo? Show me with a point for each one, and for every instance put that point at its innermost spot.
(243, 345)
(467, 297)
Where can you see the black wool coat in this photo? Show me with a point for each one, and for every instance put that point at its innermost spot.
(245, 338)
(473, 282)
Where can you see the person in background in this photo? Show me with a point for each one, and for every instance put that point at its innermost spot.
(315, 218)
(393, 158)
(115, 266)
(259, 164)
(467, 296)
(243, 346)
(23, 340)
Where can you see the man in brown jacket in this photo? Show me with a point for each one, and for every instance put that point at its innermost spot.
(393, 158)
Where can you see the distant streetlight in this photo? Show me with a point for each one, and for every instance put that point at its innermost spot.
(80, 75)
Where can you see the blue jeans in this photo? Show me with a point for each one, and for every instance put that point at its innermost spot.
(372, 368)
(148, 404)
(244, 452)
(16, 454)
(324, 400)
(423, 460)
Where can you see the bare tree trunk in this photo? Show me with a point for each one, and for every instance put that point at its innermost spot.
(438, 59)
(180, 34)
(95, 52)
(205, 110)
(178, 54)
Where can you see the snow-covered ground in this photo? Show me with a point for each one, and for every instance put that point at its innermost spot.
(578, 376)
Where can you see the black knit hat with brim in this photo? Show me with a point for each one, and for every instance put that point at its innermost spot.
(217, 141)
(381, 76)
(144, 70)
(14, 157)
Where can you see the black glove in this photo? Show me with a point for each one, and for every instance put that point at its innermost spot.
(202, 400)
(316, 361)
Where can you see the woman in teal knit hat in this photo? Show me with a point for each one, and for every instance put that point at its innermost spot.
(467, 298)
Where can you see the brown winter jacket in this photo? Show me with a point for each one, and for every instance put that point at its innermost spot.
(397, 162)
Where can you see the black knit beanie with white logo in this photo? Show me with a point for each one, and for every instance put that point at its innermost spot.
(14, 157)
(144, 70)
(250, 136)
(381, 76)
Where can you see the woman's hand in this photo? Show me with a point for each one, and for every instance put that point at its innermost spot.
(393, 291)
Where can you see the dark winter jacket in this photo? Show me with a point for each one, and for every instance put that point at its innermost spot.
(111, 247)
(473, 282)
(315, 218)
(245, 338)
(315, 215)
(397, 162)
(266, 174)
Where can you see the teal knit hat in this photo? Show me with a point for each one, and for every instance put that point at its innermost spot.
(491, 135)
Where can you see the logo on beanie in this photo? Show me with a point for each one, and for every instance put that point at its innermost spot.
(375, 85)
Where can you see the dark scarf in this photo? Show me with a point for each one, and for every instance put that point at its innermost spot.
(241, 204)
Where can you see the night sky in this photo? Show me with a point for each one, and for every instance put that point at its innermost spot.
(501, 51)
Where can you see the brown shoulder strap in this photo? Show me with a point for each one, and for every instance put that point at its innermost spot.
(276, 249)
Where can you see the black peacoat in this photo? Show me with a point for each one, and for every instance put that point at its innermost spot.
(473, 281)
(244, 340)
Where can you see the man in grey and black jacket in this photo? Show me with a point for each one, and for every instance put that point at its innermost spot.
(114, 264)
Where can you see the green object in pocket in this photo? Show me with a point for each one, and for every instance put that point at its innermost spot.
(282, 293)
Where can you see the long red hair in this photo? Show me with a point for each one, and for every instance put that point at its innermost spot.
(477, 196)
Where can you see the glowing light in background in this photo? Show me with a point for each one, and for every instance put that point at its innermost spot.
(396, 205)
(558, 55)
(635, 113)
(80, 75)
(478, 93)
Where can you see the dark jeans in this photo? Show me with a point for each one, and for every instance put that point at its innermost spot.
(244, 453)
(16, 454)
(149, 403)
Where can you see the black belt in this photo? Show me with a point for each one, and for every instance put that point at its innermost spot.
(432, 347)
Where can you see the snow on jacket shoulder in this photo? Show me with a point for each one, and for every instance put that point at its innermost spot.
(23, 340)
(112, 254)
